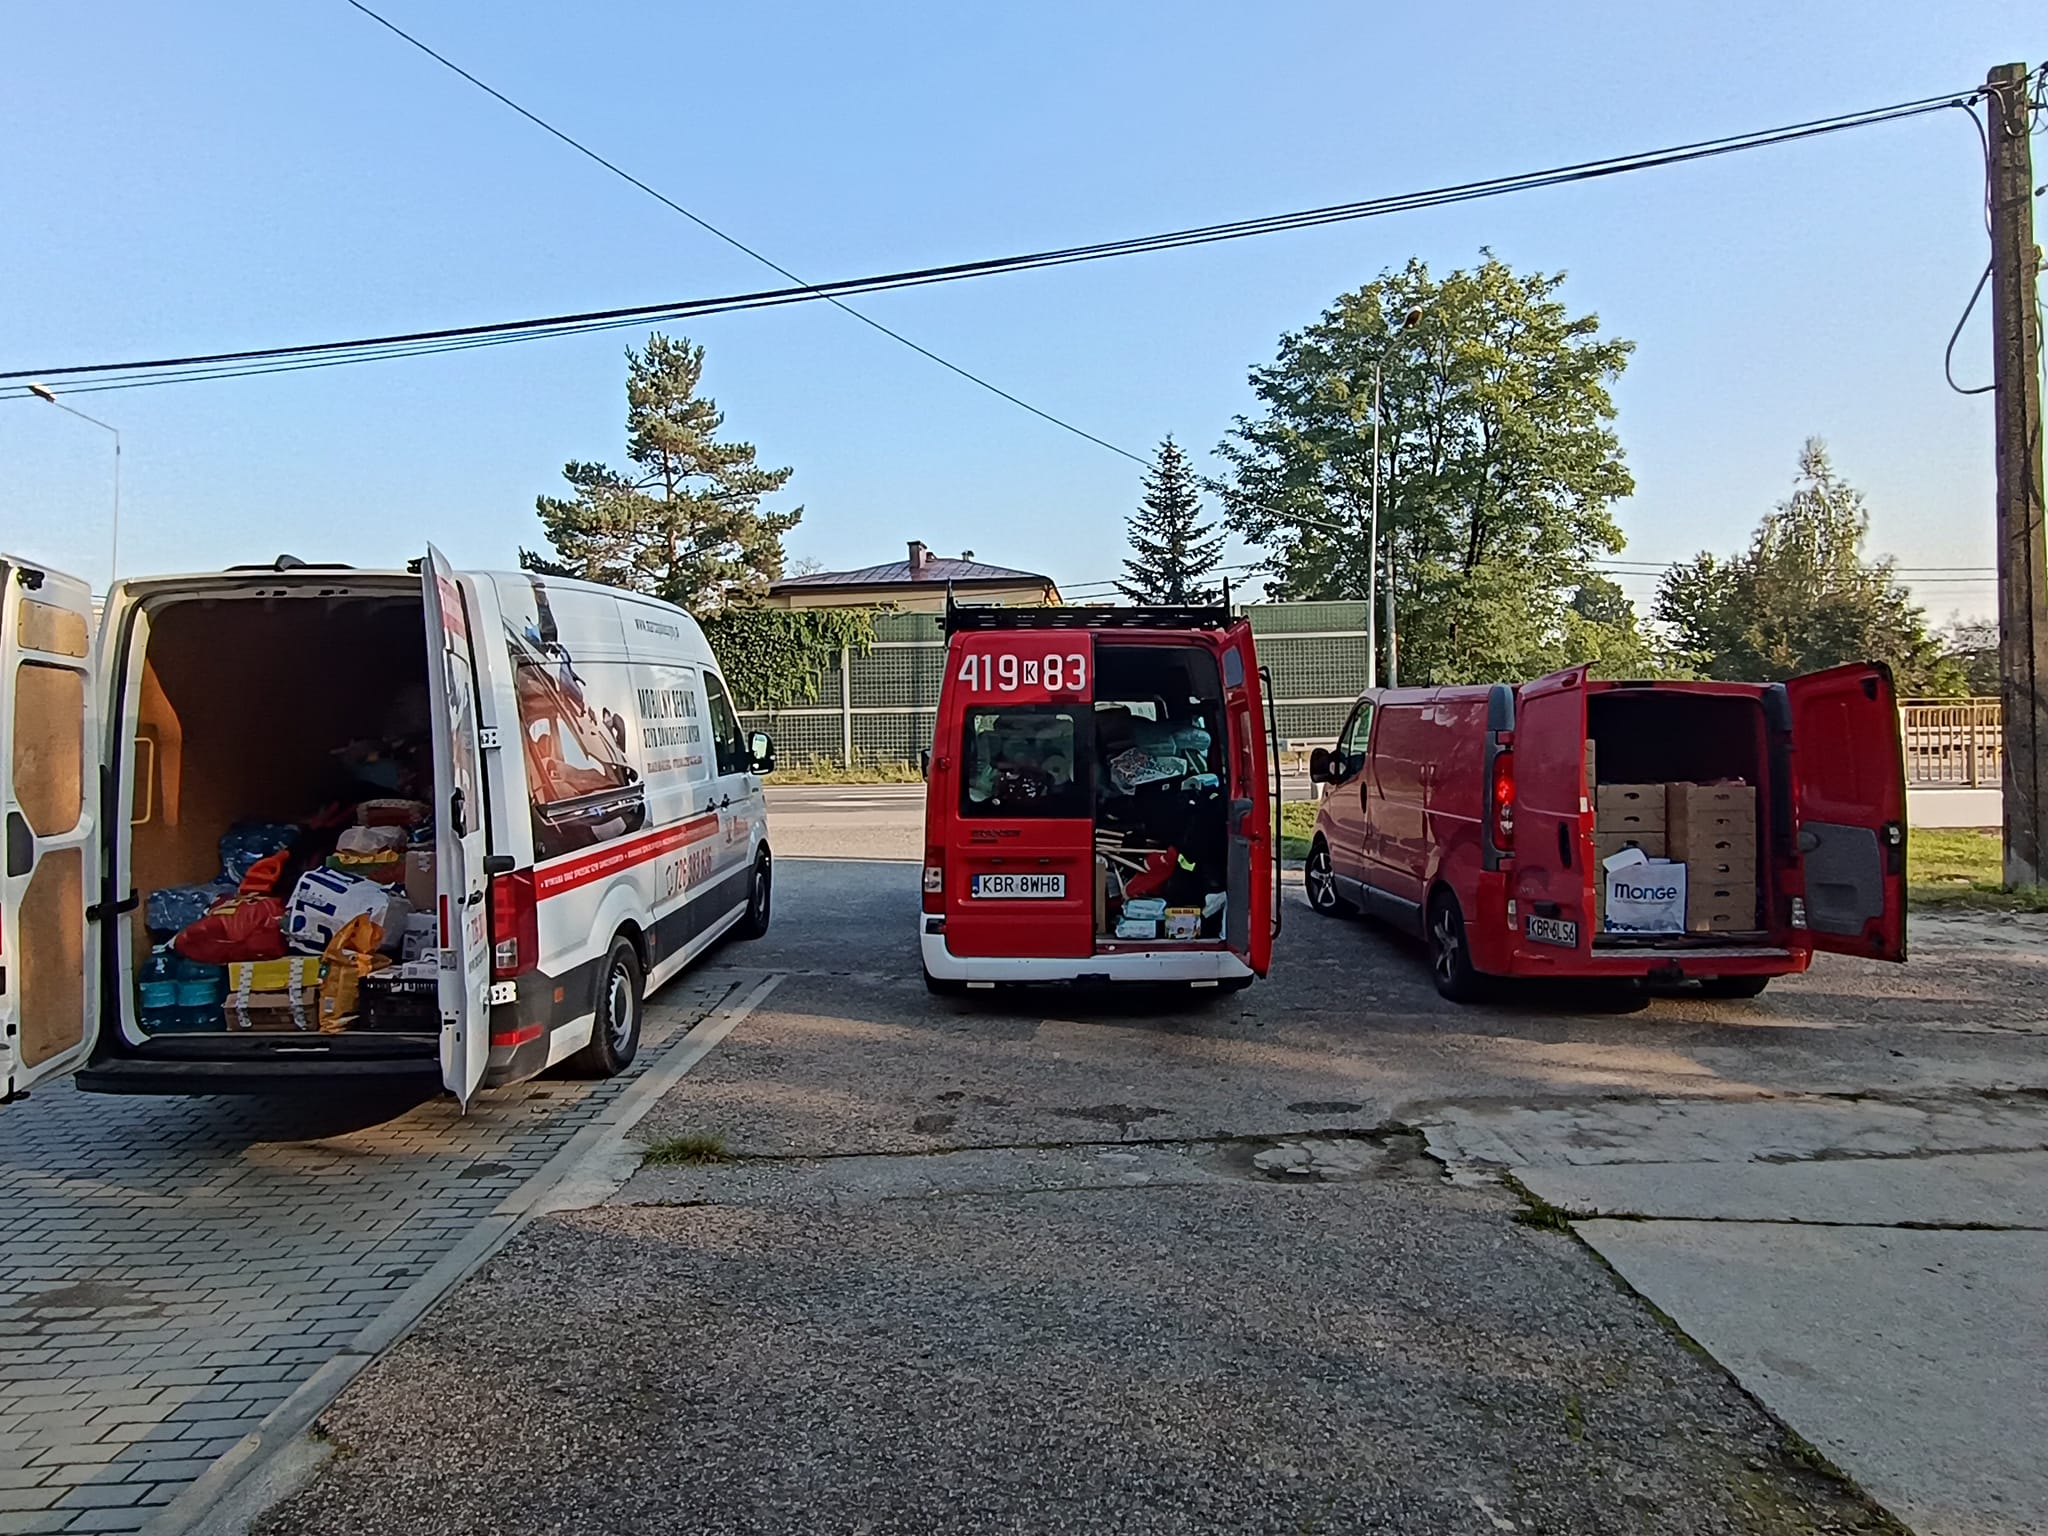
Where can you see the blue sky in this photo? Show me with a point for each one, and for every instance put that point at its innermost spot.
(215, 175)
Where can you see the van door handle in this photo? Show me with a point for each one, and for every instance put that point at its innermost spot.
(472, 898)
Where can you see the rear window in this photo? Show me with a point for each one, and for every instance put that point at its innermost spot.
(1025, 760)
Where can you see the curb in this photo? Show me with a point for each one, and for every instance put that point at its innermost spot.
(275, 1458)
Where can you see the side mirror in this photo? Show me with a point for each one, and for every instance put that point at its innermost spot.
(924, 762)
(761, 752)
(1322, 766)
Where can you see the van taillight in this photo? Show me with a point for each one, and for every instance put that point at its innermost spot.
(1504, 801)
(934, 880)
(515, 925)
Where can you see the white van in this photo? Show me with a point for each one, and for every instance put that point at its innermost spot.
(597, 815)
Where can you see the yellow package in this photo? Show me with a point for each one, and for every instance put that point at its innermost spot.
(350, 955)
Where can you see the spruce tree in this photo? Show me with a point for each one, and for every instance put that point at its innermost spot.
(1172, 551)
(685, 522)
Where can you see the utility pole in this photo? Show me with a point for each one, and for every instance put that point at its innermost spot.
(2022, 555)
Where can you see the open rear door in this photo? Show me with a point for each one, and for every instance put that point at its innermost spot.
(1849, 803)
(1253, 913)
(49, 801)
(460, 824)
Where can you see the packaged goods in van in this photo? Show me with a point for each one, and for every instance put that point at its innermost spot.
(1183, 923)
(272, 1012)
(1136, 766)
(172, 908)
(235, 928)
(1149, 909)
(1607, 844)
(325, 899)
(1643, 895)
(247, 842)
(178, 995)
(1712, 821)
(1137, 927)
(350, 955)
(400, 997)
(293, 971)
(420, 937)
(391, 813)
(1719, 906)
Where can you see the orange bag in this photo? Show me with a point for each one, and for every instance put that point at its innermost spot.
(264, 874)
(350, 955)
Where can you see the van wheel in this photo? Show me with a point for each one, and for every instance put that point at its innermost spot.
(1735, 986)
(1450, 955)
(760, 899)
(615, 1033)
(1319, 879)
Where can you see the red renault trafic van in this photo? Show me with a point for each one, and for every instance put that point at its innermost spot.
(1099, 801)
(1480, 818)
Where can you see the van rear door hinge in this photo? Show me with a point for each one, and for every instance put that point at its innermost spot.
(121, 908)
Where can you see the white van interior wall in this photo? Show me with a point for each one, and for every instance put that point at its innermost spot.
(247, 702)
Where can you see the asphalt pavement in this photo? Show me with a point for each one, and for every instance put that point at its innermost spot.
(1054, 1262)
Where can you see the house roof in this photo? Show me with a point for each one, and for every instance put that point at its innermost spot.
(937, 572)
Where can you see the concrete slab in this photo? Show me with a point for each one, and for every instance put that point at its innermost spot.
(1917, 1361)
(1945, 806)
(1999, 1189)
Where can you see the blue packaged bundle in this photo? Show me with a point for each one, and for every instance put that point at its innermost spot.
(247, 842)
(176, 907)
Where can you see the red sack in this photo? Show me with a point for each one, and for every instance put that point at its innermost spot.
(264, 874)
(238, 928)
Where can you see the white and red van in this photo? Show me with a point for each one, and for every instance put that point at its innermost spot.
(598, 815)
(1100, 801)
(1468, 816)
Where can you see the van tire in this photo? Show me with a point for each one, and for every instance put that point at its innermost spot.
(1735, 986)
(1319, 881)
(615, 1031)
(1450, 952)
(760, 900)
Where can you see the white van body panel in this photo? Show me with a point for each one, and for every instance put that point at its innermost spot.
(612, 777)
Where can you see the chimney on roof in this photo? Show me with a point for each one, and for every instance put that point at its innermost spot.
(920, 559)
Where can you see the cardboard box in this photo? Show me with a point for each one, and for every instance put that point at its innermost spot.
(272, 1012)
(1721, 920)
(1721, 871)
(1719, 905)
(1628, 808)
(420, 886)
(1647, 896)
(1684, 799)
(1592, 776)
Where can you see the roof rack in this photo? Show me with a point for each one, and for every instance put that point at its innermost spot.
(990, 617)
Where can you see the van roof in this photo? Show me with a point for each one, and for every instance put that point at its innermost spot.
(990, 617)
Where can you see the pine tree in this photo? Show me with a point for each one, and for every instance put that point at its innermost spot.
(1172, 550)
(685, 523)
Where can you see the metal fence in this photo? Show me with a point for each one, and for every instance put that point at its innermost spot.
(878, 705)
(1954, 742)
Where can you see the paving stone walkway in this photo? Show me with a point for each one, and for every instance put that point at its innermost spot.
(172, 1269)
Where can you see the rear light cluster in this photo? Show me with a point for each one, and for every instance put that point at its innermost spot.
(1503, 802)
(515, 925)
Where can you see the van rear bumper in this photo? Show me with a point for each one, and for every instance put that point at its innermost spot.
(1161, 965)
(1678, 963)
(325, 1074)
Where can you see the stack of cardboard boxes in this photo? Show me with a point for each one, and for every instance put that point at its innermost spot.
(1711, 829)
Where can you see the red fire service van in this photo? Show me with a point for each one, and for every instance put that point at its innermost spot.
(1645, 831)
(1100, 801)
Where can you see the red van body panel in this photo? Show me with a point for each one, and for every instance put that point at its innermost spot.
(1484, 794)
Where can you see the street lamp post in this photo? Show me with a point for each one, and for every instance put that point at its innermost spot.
(44, 392)
(1372, 554)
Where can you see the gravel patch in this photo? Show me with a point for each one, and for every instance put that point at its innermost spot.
(1392, 1354)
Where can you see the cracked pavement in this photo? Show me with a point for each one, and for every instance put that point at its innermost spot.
(1049, 1263)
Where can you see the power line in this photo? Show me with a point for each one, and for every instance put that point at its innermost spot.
(97, 376)
(732, 240)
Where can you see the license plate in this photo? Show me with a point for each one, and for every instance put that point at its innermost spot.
(1021, 887)
(1553, 930)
